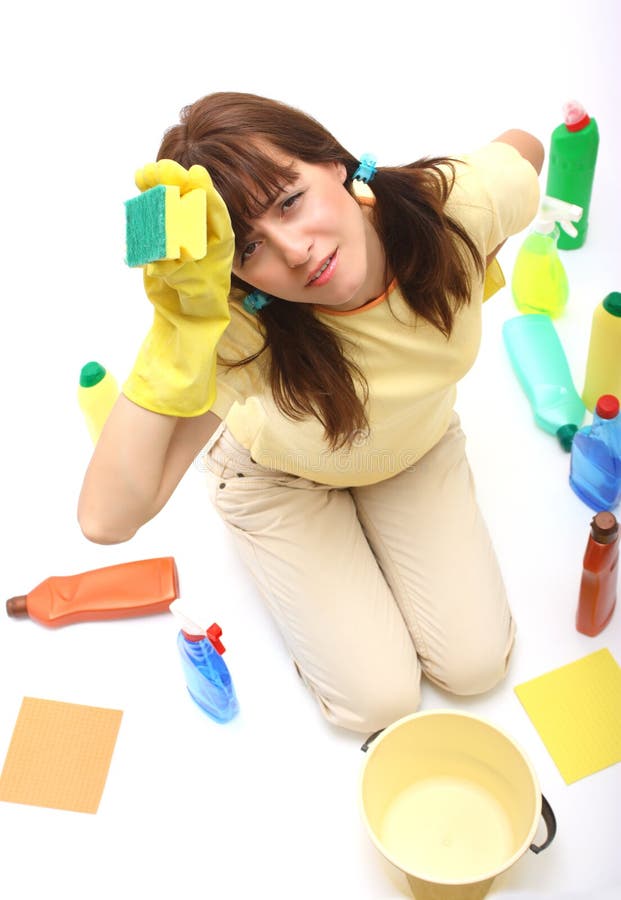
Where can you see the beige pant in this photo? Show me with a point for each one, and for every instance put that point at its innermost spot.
(372, 586)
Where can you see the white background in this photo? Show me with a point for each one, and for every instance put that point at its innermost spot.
(268, 804)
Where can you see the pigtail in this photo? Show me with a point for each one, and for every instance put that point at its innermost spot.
(429, 253)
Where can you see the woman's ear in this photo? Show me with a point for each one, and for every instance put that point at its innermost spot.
(336, 169)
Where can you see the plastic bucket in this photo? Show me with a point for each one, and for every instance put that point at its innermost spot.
(451, 801)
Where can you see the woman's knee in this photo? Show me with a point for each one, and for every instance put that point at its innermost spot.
(475, 672)
(370, 712)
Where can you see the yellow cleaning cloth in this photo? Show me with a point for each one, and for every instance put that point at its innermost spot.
(59, 755)
(577, 711)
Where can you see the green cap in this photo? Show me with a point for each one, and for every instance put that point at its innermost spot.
(612, 303)
(91, 374)
(565, 434)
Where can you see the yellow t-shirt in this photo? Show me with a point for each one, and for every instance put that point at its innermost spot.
(410, 367)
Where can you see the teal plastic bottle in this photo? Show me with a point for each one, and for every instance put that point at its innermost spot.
(571, 167)
(539, 361)
(539, 281)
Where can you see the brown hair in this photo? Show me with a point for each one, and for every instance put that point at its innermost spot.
(427, 251)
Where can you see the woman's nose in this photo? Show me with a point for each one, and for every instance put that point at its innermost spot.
(296, 249)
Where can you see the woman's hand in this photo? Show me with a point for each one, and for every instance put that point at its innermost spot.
(174, 373)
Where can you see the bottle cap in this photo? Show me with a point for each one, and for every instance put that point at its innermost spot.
(576, 116)
(16, 607)
(553, 210)
(604, 527)
(612, 303)
(91, 374)
(545, 226)
(193, 630)
(565, 434)
(214, 633)
(607, 406)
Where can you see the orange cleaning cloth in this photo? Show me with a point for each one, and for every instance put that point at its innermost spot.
(59, 755)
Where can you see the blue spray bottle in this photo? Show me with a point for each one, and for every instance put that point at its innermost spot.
(207, 676)
(539, 361)
(595, 472)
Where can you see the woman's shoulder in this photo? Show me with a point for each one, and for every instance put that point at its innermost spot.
(494, 190)
(494, 170)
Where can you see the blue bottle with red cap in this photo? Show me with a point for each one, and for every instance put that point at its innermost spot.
(207, 677)
(595, 471)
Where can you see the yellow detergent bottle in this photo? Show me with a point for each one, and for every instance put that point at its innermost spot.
(97, 393)
(603, 368)
(539, 281)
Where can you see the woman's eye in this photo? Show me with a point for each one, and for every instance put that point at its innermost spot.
(291, 201)
(248, 250)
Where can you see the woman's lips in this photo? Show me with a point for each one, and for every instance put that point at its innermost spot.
(326, 269)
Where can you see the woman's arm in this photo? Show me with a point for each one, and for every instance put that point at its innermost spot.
(528, 146)
(139, 460)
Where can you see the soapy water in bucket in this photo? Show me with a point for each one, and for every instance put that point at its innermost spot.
(452, 829)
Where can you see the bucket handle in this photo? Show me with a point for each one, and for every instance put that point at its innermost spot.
(370, 740)
(547, 814)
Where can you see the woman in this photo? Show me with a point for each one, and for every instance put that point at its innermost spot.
(332, 448)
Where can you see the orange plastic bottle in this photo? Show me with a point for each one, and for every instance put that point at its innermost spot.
(114, 592)
(598, 589)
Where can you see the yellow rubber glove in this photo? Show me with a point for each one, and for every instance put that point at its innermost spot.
(174, 372)
(494, 280)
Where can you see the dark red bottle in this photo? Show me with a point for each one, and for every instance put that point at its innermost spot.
(598, 589)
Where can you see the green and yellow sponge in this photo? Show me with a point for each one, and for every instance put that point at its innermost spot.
(162, 224)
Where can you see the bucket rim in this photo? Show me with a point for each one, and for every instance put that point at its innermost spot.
(482, 876)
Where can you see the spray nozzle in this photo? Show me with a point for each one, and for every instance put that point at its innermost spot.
(196, 630)
(553, 211)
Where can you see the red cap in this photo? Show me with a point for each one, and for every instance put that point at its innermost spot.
(576, 116)
(214, 633)
(580, 124)
(607, 406)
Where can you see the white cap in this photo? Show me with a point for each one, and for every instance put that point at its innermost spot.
(186, 618)
(193, 625)
(573, 112)
(553, 211)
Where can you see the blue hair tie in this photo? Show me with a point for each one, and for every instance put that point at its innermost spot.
(366, 169)
(254, 301)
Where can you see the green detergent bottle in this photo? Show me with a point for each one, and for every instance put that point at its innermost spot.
(571, 167)
(539, 281)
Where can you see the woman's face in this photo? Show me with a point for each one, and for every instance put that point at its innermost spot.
(315, 244)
